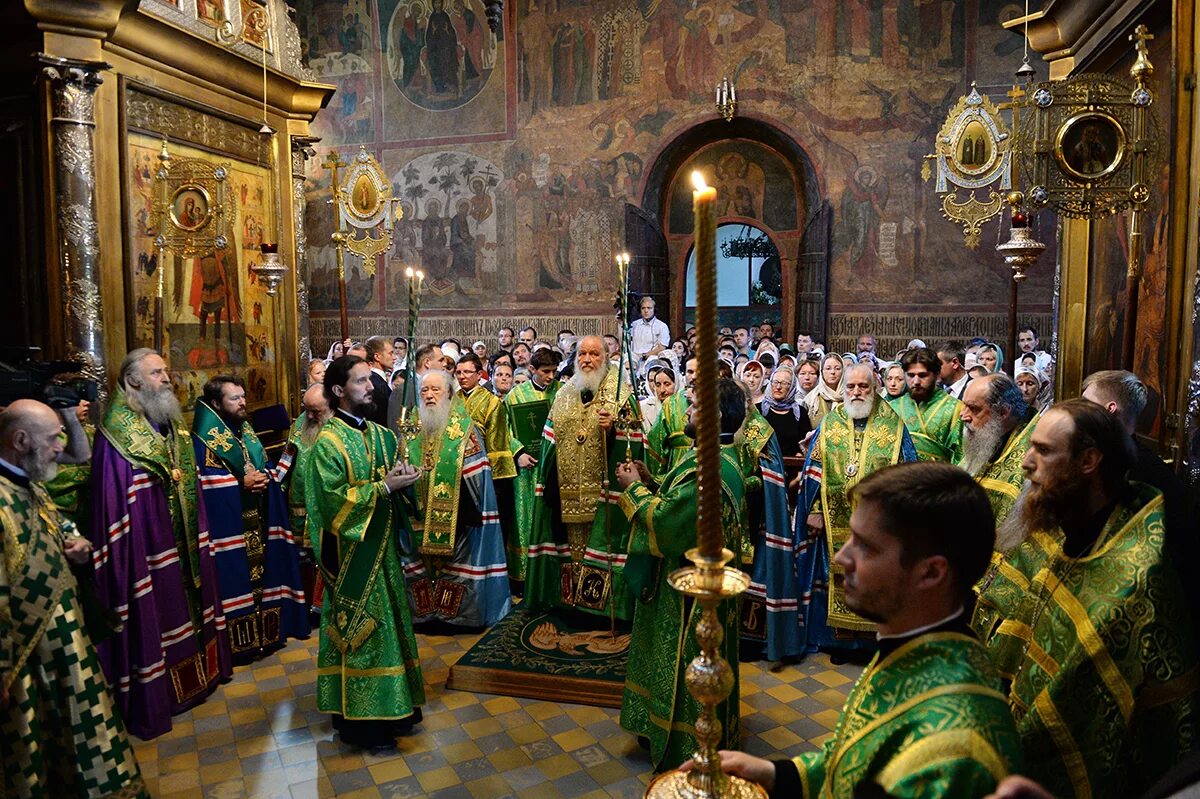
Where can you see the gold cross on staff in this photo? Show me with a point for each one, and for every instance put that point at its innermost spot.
(1142, 68)
(333, 162)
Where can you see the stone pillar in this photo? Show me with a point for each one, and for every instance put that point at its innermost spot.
(72, 87)
(302, 150)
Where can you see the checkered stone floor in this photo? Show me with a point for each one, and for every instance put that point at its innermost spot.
(261, 737)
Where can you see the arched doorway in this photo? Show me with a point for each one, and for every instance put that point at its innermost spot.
(749, 276)
(765, 181)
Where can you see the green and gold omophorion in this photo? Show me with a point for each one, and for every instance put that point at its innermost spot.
(1099, 653)
(935, 425)
(367, 666)
(61, 732)
(656, 702)
(928, 720)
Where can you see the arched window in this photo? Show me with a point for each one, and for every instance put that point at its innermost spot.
(748, 270)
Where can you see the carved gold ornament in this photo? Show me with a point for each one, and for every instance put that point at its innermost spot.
(1092, 141)
(365, 207)
(972, 152)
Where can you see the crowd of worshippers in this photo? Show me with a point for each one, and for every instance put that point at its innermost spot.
(1005, 567)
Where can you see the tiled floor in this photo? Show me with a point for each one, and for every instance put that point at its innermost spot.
(261, 737)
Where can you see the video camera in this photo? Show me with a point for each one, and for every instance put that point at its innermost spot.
(23, 375)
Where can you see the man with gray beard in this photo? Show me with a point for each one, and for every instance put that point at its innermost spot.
(290, 473)
(154, 565)
(455, 568)
(577, 548)
(996, 430)
(860, 436)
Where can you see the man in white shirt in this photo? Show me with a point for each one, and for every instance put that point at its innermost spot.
(953, 375)
(648, 335)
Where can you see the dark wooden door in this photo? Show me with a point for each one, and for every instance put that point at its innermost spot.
(812, 266)
(649, 269)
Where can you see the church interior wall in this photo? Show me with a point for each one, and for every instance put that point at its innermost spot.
(557, 123)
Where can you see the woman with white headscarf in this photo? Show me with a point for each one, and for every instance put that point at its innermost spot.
(751, 373)
(828, 392)
(785, 415)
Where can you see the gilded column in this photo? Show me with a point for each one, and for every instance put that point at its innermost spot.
(302, 150)
(72, 87)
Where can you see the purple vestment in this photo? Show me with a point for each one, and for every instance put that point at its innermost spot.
(173, 649)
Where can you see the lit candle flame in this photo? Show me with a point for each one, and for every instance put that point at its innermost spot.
(698, 181)
(408, 273)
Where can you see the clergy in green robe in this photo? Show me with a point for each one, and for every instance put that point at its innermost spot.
(577, 550)
(61, 732)
(854, 439)
(656, 703)
(528, 406)
(996, 430)
(931, 415)
(368, 669)
(666, 443)
(1085, 618)
(928, 718)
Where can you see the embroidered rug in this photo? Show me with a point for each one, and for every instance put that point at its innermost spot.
(539, 655)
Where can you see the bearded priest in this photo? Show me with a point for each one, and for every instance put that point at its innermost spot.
(152, 556)
(368, 669)
(577, 548)
(258, 559)
(455, 568)
(997, 425)
(854, 439)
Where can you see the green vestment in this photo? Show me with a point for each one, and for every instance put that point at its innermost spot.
(1003, 477)
(367, 666)
(61, 731)
(929, 720)
(1098, 650)
(524, 488)
(935, 426)
(847, 455)
(666, 443)
(577, 545)
(487, 412)
(656, 702)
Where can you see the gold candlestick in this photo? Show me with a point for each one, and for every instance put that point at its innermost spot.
(709, 677)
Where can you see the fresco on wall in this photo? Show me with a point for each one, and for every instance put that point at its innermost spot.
(442, 71)
(439, 53)
(752, 181)
(599, 87)
(218, 318)
(448, 226)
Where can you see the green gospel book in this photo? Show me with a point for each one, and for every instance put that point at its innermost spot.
(528, 419)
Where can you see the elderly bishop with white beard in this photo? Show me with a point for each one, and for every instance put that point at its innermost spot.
(154, 564)
(997, 425)
(578, 544)
(455, 567)
(857, 437)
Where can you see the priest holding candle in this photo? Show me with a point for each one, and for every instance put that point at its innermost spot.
(700, 503)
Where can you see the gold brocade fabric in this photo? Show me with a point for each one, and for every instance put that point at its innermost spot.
(1099, 654)
(580, 446)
